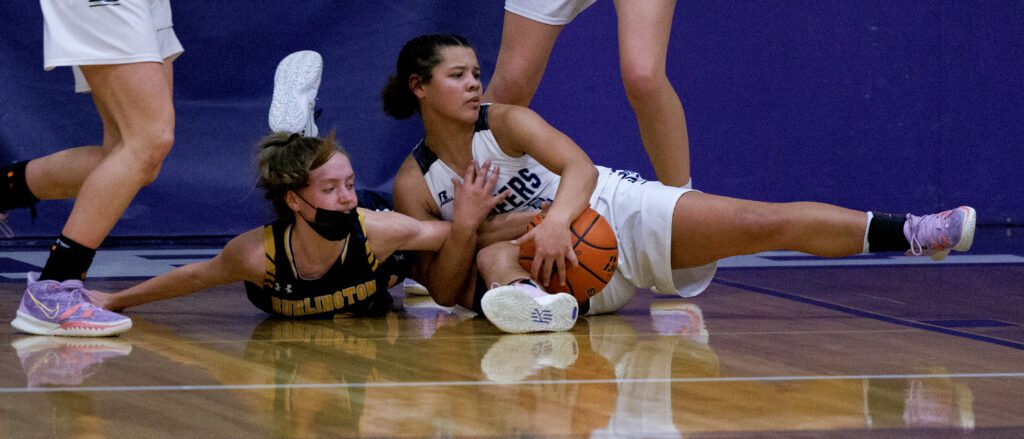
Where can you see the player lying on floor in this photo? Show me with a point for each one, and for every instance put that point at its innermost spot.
(322, 256)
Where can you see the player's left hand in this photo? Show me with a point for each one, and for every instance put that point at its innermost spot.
(553, 242)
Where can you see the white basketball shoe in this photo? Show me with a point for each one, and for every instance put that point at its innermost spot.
(521, 307)
(296, 81)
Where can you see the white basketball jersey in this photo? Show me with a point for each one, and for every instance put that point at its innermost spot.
(529, 183)
(639, 211)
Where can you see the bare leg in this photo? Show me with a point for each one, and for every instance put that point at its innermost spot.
(706, 228)
(522, 59)
(60, 175)
(138, 98)
(644, 28)
(498, 263)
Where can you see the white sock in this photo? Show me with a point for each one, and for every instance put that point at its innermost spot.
(866, 227)
(533, 291)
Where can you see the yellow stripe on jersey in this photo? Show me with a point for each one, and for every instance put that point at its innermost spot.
(288, 250)
(371, 259)
(271, 250)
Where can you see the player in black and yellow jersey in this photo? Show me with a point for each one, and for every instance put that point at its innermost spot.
(323, 255)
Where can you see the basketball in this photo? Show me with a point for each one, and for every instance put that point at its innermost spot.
(596, 249)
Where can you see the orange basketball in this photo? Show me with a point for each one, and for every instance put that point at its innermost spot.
(596, 249)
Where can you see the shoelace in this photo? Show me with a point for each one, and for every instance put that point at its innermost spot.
(917, 226)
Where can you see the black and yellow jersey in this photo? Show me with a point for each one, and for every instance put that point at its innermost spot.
(356, 284)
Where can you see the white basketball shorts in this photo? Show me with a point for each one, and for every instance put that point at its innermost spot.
(553, 12)
(102, 32)
(640, 212)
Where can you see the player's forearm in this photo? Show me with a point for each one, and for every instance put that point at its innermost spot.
(503, 227)
(451, 270)
(178, 282)
(574, 191)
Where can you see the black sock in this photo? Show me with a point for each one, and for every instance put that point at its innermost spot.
(14, 192)
(885, 233)
(524, 281)
(68, 260)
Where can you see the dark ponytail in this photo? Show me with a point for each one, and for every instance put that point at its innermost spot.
(418, 57)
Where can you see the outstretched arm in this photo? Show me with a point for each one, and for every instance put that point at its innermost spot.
(241, 259)
(387, 232)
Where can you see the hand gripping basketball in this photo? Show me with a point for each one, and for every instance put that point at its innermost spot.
(596, 248)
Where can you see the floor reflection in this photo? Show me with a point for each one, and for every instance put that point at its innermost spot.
(65, 361)
(426, 370)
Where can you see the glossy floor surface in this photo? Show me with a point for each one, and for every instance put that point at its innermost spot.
(780, 345)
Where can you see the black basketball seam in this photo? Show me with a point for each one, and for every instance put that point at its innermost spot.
(583, 239)
(600, 248)
(585, 231)
(595, 274)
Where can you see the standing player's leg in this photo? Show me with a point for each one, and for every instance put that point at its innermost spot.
(644, 29)
(60, 175)
(138, 98)
(56, 176)
(706, 228)
(140, 103)
(522, 58)
(132, 86)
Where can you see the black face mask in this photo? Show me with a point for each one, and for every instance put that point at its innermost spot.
(332, 225)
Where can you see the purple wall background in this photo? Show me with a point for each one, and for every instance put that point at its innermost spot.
(897, 106)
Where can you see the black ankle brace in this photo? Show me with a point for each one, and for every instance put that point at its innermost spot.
(14, 192)
(68, 260)
(885, 233)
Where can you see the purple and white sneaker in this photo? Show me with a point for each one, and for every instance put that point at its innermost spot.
(49, 307)
(521, 307)
(935, 235)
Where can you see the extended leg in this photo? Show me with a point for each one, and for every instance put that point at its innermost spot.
(706, 228)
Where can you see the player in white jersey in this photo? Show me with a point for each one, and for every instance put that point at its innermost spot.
(668, 237)
(123, 51)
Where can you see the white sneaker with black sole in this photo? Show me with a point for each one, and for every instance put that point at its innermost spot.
(514, 310)
(296, 82)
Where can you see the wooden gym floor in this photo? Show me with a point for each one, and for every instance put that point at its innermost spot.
(780, 345)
